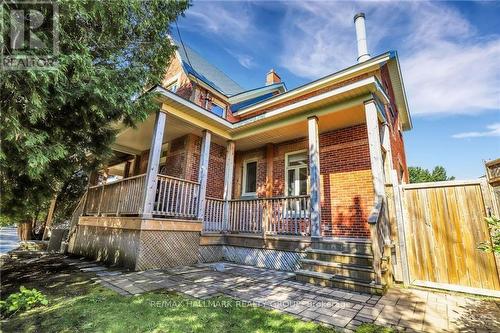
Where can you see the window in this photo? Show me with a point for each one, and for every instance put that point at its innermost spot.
(217, 109)
(296, 173)
(173, 86)
(249, 177)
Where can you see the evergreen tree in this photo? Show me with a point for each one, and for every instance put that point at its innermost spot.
(421, 175)
(60, 122)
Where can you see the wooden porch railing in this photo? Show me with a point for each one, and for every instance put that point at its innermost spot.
(274, 216)
(176, 197)
(121, 197)
(380, 234)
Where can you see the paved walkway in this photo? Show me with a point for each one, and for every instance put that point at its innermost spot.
(9, 239)
(404, 309)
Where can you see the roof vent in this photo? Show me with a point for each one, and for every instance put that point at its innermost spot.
(359, 22)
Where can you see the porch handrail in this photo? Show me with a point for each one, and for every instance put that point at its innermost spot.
(176, 197)
(379, 231)
(280, 215)
(123, 196)
(117, 181)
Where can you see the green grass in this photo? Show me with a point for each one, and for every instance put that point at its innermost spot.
(102, 310)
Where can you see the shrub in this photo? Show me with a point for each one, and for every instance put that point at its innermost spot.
(25, 299)
(494, 224)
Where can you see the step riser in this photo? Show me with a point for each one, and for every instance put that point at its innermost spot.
(351, 273)
(341, 285)
(340, 259)
(344, 247)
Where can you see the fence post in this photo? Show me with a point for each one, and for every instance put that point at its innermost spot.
(100, 200)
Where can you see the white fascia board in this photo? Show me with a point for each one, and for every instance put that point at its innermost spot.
(374, 62)
(370, 82)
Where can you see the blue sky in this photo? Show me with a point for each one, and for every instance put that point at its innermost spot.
(449, 53)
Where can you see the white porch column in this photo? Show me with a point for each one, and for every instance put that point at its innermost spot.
(312, 125)
(153, 164)
(374, 144)
(228, 182)
(203, 172)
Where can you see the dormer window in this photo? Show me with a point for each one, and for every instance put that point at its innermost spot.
(217, 109)
(173, 86)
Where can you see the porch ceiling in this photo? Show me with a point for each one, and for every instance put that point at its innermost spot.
(281, 133)
(135, 140)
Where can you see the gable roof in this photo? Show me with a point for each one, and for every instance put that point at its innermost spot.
(195, 65)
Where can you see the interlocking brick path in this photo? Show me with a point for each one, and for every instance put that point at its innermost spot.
(410, 310)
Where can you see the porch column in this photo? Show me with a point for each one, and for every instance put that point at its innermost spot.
(228, 182)
(203, 172)
(312, 125)
(374, 144)
(153, 164)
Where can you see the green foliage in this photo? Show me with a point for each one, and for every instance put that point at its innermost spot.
(60, 122)
(23, 300)
(494, 246)
(421, 175)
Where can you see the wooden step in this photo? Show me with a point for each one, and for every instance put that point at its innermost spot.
(344, 245)
(340, 257)
(364, 273)
(330, 280)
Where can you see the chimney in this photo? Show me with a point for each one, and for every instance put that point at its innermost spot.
(272, 77)
(359, 22)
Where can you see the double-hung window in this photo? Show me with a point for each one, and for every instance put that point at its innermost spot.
(296, 173)
(296, 181)
(249, 178)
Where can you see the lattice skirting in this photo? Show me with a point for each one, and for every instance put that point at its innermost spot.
(112, 246)
(212, 253)
(265, 258)
(165, 249)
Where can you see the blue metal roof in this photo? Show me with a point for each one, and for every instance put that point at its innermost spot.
(195, 65)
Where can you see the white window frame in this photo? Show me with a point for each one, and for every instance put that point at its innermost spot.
(173, 80)
(295, 168)
(219, 105)
(244, 181)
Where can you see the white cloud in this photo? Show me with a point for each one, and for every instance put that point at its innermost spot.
(492, 130)
(224, 19)
(447, 67)
(245, 60)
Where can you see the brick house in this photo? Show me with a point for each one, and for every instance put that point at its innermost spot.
(285, 179)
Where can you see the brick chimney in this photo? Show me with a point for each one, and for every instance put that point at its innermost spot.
(272, 77)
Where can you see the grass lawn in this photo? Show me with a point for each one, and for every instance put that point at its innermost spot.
(76, 304)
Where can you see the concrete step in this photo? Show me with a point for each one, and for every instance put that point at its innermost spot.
(330, 280)
(340, 257)
(344, 245)
(364, 273)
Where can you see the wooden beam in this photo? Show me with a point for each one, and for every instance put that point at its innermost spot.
(228, 181)
(203, 172)
(153, 164)
(314, 169)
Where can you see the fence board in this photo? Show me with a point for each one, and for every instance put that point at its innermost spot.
(444, 224)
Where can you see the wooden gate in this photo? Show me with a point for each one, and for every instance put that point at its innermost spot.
(443, 226)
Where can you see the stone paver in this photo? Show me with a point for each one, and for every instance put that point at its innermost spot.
(404, 309)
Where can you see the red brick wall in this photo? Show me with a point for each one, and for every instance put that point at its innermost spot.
(347, 187)
(396, 137)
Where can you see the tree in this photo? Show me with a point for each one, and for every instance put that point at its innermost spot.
(60, 122)
(421, 175)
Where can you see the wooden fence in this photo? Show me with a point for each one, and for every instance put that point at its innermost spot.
(443, 225)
